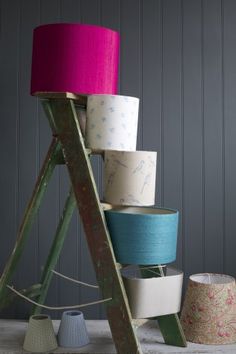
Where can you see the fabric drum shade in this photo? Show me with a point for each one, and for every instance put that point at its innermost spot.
(81, 59)
(130, 177)
(143, 235)
(209, 310)
(153, 296)
(112, 122)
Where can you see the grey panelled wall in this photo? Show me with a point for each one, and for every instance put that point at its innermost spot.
(179, 57)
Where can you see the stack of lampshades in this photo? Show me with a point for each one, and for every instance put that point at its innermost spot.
(140, 235)
(83, 59)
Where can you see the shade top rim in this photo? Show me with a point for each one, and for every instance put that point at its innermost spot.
(212, 279)
(140, 210)
(77, 24)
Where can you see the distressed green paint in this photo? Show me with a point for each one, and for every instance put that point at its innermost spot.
(56, 249)
(63, 121)
(67, 130)
(172, 330)
(48, 112)
(169, 325)
(30, 214)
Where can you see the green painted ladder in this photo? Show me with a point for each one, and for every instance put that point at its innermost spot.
(68, 148)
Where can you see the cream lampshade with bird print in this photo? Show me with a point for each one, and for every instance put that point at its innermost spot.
(130, 177)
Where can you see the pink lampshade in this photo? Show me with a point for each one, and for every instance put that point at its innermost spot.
(209, 310)
(81, 59)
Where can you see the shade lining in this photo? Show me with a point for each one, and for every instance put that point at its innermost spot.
(211, 278)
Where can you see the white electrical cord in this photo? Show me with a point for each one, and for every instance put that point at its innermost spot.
(74, 280)
(56, 307)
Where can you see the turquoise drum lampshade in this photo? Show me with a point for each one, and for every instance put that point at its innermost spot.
(142, 235)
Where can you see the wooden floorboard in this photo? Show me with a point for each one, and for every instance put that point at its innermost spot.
(12, 336)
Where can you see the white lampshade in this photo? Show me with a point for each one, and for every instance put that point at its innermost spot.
(112, 122)
(153, 296)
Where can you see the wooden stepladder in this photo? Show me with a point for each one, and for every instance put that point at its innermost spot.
(68, 147)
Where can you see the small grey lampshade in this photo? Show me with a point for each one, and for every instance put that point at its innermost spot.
(72, 331)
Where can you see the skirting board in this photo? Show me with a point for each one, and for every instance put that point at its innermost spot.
(12, 335)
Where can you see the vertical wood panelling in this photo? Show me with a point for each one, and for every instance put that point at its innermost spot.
(212, 50)
(229, 55)
(9, 93)
(130, 57)
(70, 11)
(49, 13)
(69, 263)
(179, 58)
(110, 14)
(193, 136)
(172, 111)
(152, 84)
(27, 156)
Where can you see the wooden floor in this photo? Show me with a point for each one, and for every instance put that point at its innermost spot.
(12, 335)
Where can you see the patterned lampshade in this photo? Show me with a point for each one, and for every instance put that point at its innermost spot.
(209, 310)
(130, 177)
(112, 122)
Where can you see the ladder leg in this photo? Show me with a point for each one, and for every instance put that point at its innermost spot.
(29, 216)
(169, 325)
(108, 275)
(56, 249)
(172, 330)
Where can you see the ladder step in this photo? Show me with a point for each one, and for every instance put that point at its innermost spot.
(61, 160)
(81, 100)
(171, 330)
(139, 322)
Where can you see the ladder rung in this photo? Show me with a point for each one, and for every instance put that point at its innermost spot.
(80, 99)
(106, 206)
(140, 322)
(61, 160)
(94, 152)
